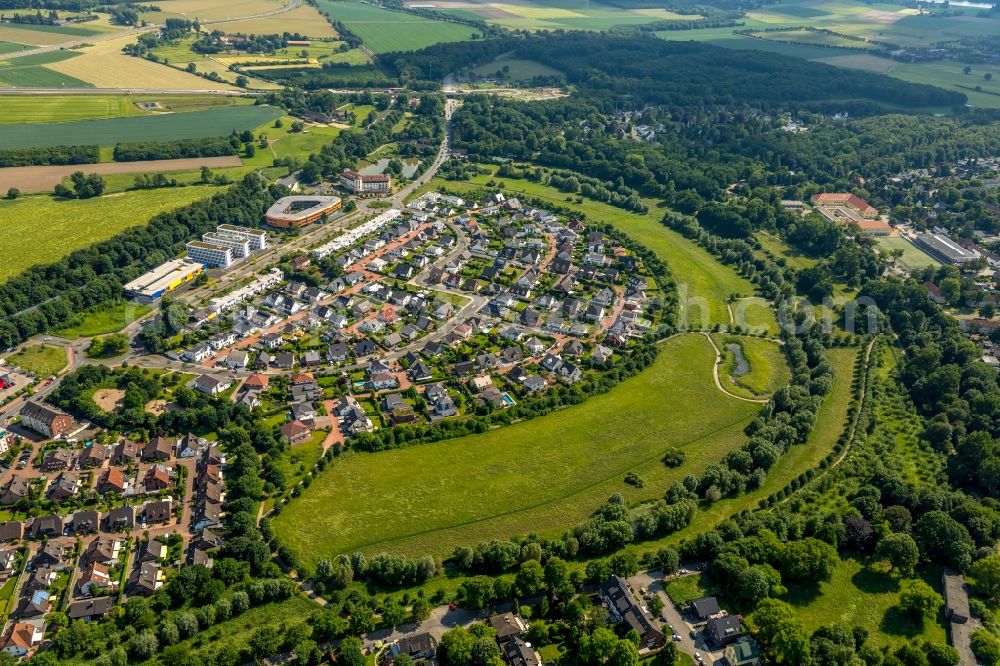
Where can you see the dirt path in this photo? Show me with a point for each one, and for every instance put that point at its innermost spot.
(41, 178)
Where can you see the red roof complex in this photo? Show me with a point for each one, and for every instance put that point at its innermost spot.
(843, 199)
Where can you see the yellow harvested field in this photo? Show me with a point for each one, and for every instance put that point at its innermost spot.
(666, 14)
(304, 19)
(214, 10)
(34, 37)
(105, 66)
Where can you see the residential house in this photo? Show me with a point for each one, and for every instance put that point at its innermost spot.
(213, 384)
(156, 512)
(85, 522)
(45, 526)
(21, 638)
(16, 490)
(125, 452)
(157, 479)
(723, 630)
(63, 488)
(191, 445)
(45, 419)
(120, 519)
(148, 580)
(516, 652)
(508, 626)
(704, 608)
(295, 432)
(93, 455)
(57, 459)
(91, 609)
(742, 653)
(112, 481)
(238, 359)
(159, 448)
(95, 577)
(11, 530)
(103, 550)
(623, 608)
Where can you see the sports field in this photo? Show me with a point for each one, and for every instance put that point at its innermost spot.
(515, 69)
(542, 475)
(64, 108)
(195, 124)
(71, 225)
(704, 285)
(913, 257)
(384, 30)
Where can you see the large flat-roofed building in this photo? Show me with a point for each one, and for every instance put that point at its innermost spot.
(941, 247)
(299, 211)
(873, 227)
(210, 254)
(162, 279)
(361, 184)
(239, 246)
(257, 237)
(844, 200)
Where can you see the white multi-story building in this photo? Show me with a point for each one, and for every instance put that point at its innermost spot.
(260, 285)
(239, 246)
(210, 254)
(360, 183)
(257, 237)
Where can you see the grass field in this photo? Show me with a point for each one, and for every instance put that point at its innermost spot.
(433, 497)
(107, 132)
(857, 596)
(913, 257)
(768, 368)
(384, 30)
(516, 69)
(11, 47)
(35, 35)
(557, 14)
(829, 424)
(101, 322)
(704, 285)
(43, 360)
(65, 108)
(71, 225)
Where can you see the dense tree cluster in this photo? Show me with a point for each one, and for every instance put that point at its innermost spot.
(168, 150)
(53, 155)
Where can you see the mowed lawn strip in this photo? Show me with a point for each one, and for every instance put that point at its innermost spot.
(703, 283)
(165, 127)
(541, 475)
(71, 225)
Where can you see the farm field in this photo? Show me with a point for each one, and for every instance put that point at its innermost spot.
(304, 19)
(71, 225)
(704, 284)
(43, 360)
(64, 108)
(469, 491)
(384, 30)
(104, 65)
(44, 178)
(913, 257)
(557, 14)
(29, 71)
(768, 370)
(107, 132)
(875, 21)
(43, 35)
(211, 10)
(11, 47)
(101, 322)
